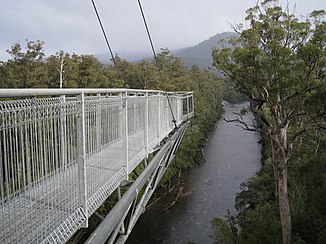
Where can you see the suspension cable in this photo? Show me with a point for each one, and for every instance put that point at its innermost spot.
(156, 61)
(107, 41)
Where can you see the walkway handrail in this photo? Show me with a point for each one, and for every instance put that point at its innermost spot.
(9, 93)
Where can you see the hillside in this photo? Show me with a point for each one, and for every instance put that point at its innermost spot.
(201, 54)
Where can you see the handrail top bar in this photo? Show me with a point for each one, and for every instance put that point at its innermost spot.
(32, 92)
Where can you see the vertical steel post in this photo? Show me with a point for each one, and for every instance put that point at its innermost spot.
(98, 124)
(159, 117)
(146, 123)
(193, 104)
(28, 150)
(188, 105)
(81, 149)
(178, 109)
(63, 129)
(125, 131)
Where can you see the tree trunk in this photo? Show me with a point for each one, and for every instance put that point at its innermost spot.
(284, 206)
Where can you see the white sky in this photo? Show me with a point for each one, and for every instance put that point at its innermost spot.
(71, 25)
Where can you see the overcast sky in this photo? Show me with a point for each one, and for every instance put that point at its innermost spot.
(71, 25)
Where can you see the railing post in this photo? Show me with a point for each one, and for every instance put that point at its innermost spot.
(159, 117)
(98, 123)
(188, 105)
(125, 131)
(81, 149)
(177, 116)
(63, 129)
(146, 123)
(193, 104)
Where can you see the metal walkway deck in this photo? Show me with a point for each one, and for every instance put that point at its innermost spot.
(63, 152)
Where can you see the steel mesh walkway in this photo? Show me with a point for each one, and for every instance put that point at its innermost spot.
(63, 152)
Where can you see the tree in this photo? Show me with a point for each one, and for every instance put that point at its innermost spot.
(56, 65)
(27, 68)
(71, 78)
(90, 72)
(4, 80)
(278, 63)
(146, 75)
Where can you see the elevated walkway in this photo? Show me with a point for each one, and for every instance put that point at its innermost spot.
(64, 151)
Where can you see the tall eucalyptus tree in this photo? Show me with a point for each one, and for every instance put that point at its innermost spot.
(278, 63)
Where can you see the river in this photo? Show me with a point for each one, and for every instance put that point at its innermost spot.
(232, 155)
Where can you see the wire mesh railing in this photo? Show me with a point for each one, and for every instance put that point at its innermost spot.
(63, 152)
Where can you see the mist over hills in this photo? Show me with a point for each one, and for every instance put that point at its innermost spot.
(199, 54)
(131, 56)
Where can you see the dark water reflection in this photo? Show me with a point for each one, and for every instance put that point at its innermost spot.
(232, 155)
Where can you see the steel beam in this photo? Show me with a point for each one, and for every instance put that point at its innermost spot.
(115, 217)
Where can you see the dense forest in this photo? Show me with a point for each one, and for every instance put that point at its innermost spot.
(278, 64)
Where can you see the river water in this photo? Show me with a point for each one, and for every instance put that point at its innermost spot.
(232, 155)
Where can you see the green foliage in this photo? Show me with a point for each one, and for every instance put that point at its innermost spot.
(309, 220)
(27, 68)
(231, 95)
(262, 225)
(222, 233)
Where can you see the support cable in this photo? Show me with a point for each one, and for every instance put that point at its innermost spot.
(156, 61)
(107, 41)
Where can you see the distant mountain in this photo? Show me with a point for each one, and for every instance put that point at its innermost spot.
(197, 55)
(201, 54)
